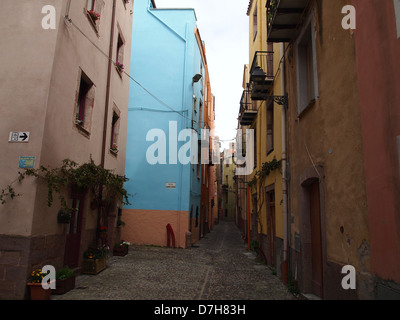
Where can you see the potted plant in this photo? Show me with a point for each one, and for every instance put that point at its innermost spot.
(119, 66)
(94, 15)
(65, 280)
(103, 232)
(114, 148)
(35, 286)
(64, 216)
(95, 260)
(121, 248)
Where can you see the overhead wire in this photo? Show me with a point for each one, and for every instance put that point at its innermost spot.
(69, 20)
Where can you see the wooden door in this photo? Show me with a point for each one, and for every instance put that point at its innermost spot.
(271, 229)
(316, 242)
(73, 239)
(254, 218)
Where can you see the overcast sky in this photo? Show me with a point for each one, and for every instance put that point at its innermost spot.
(224, 27)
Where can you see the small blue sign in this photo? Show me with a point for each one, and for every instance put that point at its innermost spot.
(27, 162)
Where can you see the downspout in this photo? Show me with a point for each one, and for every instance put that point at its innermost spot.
(181, 128)
(67, 9)
(284, 173)
(107, 104)
(103, 149)
(248, 218)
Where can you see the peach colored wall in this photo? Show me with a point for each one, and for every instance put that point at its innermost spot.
(380, 116)
(148, 227)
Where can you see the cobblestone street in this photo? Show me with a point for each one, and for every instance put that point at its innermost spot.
(219, 267)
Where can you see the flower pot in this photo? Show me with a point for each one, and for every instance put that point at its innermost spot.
(64, 285)
(103, 235)
(93, 266)
(121, 251)
(38, 293)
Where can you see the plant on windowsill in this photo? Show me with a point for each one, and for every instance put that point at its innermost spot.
(120, 66)
(114, 148)
(94, 15)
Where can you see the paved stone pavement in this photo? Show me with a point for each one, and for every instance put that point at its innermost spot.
(218, 267)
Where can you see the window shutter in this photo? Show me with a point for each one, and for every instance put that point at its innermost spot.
(120, 57)
(116, 129)
(89, 108)
(98, 7)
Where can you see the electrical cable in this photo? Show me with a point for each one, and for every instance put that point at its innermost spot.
(68, 19)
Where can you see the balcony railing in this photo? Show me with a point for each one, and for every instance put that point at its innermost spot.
(261, 75)
(283, 18)
(248, 109)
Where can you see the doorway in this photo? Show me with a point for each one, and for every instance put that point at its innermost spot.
(271, 229)
(74, 231)
(316, 240)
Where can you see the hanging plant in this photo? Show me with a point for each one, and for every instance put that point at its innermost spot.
(266, 169)
(94, 15)
(102, 183)
(64, 216)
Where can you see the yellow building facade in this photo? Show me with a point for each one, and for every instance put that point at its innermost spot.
(262, 109)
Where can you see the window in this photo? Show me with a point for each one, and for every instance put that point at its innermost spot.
(125, 2)
(198, 159)
(255, 22)
(120, 53)
(270, 128)
(90, 5)
(115, 122)
(397, 13)
(200, 113)
(255, 147)
(194, 103)
(94, 10)
(307, 81)
(85, 103)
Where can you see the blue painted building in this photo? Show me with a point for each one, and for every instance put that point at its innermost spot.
(165, 105)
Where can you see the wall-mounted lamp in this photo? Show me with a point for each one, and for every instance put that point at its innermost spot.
(197, 77)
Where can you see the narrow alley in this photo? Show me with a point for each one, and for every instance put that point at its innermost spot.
(219, 267)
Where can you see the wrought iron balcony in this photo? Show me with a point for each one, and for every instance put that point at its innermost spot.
(283, 18)
(248, 110)
(261, 75)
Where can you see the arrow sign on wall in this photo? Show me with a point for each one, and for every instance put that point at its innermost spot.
(19, 137)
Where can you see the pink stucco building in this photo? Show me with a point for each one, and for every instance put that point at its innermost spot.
(60, 83)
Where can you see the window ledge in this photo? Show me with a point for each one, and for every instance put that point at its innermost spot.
(92, 23)
(119, 71)
(306, 109)
(82, 130)
(125, 3)
(114, 152)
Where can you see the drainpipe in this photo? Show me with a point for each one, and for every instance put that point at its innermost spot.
(110, 63)
(284, 173)
(106, 108)
(248, 218)
(67, 9)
